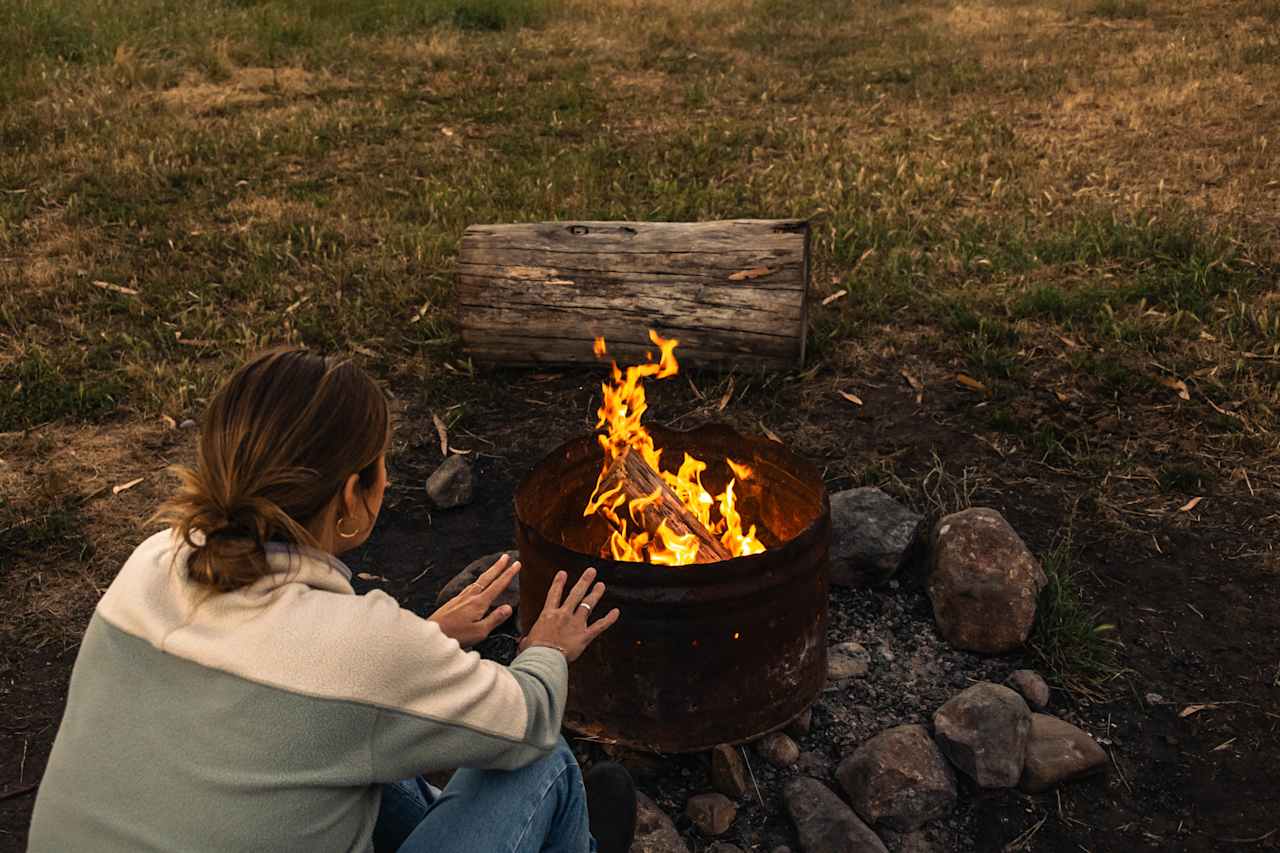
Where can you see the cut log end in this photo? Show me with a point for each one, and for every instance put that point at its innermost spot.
(638, 480)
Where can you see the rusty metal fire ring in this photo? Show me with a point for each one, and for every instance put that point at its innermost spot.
(703, 654)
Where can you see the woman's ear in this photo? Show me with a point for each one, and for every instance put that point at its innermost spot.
(352, 505)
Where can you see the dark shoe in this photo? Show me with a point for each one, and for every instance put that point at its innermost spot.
(611, 806)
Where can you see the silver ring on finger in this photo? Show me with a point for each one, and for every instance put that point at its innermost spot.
(587, 606)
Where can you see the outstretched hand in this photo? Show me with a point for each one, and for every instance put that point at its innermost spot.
(563, 622)
(466, 617)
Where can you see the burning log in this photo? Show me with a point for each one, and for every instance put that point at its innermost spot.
(733, 292)
(657, 503)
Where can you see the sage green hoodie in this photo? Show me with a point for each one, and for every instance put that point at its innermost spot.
(265, 718)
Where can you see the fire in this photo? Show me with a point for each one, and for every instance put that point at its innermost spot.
(621, 431)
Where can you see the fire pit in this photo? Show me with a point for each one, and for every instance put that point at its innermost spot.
(706, 652)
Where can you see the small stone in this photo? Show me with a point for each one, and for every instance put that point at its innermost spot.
(1155, 699)
(189, 423)
(983, 582)
(712, 814)
(899, 779)
(724, 847)
(983, 731)
(655, 833)
(802, 724)
(824, 823)
(871, 536)
(847, 660)
(466, 577)
(728, 771)
(1058, 752)
(1032, 687)
(778, 749)
(451, 484)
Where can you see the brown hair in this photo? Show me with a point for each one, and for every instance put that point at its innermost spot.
(277, 443)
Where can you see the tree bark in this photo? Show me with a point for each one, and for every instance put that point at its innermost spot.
(733, 293)
(639, 480)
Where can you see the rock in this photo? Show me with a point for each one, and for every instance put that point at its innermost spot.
(1058, 752)
(983, 582)
(914, 842)
(847, 660)
(189, 423)
(655, 833)
(451, 484)
(729, 772)
(824, 823)
(899, 779)
(712, 814)
(983, 731)
(778, 749)
(474, 569)
(802, 724)
(1155, 699)
(724, 847)
(871, 536)
(1032, 687)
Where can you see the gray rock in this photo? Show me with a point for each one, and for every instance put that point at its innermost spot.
(1032, 687)
(983, 731)
(847, 660)
(712, 814)
(451, 484)
(189, 423)
(474, 569)
(899, 779)
(655, 833)
(778, 749)
(824, 823)
(871, 536)
(983, 582)
(914, 842)
(1058, 752)
(802, 724)
(729, 772)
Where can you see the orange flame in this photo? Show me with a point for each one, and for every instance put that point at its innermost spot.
(621, 431)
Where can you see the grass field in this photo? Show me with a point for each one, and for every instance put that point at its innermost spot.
(1076, 198)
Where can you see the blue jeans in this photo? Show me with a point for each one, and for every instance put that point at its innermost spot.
(541, 808)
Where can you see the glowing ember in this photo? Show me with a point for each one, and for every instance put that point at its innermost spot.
(622, 432)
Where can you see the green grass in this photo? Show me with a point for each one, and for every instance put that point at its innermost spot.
(1069, 643)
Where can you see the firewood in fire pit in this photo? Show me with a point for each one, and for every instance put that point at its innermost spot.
(638, 480)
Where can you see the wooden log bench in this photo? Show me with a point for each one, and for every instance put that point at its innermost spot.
(734, 292)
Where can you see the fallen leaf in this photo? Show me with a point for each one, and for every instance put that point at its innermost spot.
(1191, 504)
(365, 576)
(754, 272)
(443, 432)
(969, 382)
(724, 401)
(1191, 710)
(116, 288)
(1062, 396)
(1223, 745)
(852, 398)
(1205, 336)
(1176, 385)
(365, 351)
(839, 294)
(169, 422)
(770, 434)
(1070, 343)
(916, 385)
(124, 487)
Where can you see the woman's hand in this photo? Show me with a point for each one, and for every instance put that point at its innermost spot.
(563, 624)
(466, 617)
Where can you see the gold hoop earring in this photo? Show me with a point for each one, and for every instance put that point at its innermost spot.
(351, 535)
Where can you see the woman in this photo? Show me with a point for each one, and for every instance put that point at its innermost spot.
(233, 693)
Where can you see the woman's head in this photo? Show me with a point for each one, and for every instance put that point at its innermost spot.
(292, 449)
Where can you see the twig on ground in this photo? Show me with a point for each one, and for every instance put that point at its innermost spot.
(747, 759)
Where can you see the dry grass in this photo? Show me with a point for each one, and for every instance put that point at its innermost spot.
(1070, 200)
